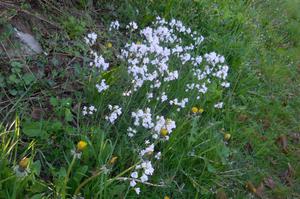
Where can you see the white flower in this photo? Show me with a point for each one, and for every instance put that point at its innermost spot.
(158, 156)
(137, 190)
(116, 112)
(102, 86)
(99, 61)
(91, 38)
(132, 25)
(144, 178)
(134, 175)
(143, 117)
(132, 183)
(114, 25)
(164, 97)
(219, 105)
(88, 110)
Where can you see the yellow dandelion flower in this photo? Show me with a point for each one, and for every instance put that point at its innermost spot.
(108, 45)
(195, 110)
(81, 145)
(164, 132)
(201, 110)
(227, 136)
(24, 163)
(166, 197)
(113, 160)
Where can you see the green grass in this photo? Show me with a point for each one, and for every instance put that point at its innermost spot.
(41, 114)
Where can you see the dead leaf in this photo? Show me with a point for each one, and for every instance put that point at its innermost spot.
(295, 137)
(266, 124)
(242, 117)
(287, 176)
(260, 190)
(76, 107)
(47, 70)
(221, 194)
(248, 147)
(250, 187)
(269, 182)
(282, 142)
(36, 113)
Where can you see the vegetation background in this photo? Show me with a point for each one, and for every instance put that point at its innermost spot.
(41, 96)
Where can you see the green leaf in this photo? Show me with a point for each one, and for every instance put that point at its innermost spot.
(36, 167)
(54, 101)
(68, 115)
(34, 129)
(28, 78)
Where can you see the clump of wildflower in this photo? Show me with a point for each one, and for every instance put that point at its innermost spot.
(116, 112)
(102, 86)
(89, 110)
(22, 168)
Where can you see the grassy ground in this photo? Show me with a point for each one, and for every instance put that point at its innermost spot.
(41, 99)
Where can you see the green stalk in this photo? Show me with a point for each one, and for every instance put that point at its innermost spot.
(67, 177)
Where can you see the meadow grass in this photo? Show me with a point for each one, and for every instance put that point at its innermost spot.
(250, 148)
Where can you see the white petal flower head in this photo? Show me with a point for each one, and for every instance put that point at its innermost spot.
(144, 178)
(132, 183)
(219, 105)
(137, 190)
(91, 38)
(134, 175)
(102, 86)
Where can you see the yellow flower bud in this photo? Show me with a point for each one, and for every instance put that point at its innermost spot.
(195, 110)
(113, 160)
(108, 45)
(166, 197)
(227, 136)
(164, 132)
(24, 163)
(201, 110)
(81, 145)
(138, 43)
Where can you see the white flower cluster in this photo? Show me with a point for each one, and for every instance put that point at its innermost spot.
(116, 112)
(102, 86)
(144, 117)
(132, 25)
(181, 103)
(151, 60)
(90, 39)
(114, 25)
(143, 170)
(158, 63)
(98, 61)
(88, 110)
(131, 132)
